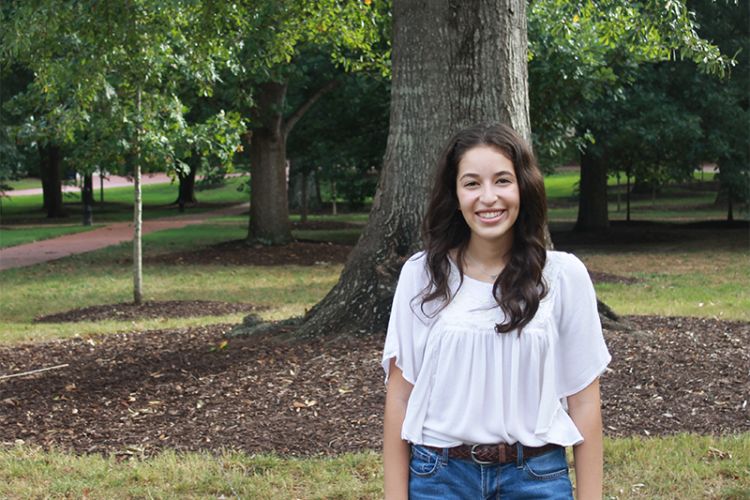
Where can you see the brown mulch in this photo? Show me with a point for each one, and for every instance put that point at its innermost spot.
(136, 393)
(602, 277)
(239, 253)
(148, 310)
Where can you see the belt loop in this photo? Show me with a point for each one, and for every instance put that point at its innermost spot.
(445, 455)
(519, 454)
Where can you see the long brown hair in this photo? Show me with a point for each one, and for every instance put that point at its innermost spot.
(520, 286)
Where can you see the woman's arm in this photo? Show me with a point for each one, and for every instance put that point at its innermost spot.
(585, 410)
(395, 450)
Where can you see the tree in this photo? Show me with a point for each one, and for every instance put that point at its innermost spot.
(335, 144)
(125, 57)
(346, 33)
(586, 52)
(454, 64)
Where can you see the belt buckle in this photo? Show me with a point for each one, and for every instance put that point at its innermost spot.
(475, 459)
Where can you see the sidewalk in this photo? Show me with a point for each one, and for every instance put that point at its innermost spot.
(57, 248)
(110, 181)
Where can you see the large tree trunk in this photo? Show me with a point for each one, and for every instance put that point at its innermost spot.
(50, 168)
(269, 208)
(592, 198)
(454, 64)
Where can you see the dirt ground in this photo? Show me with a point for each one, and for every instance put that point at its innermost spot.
(133, 394)
(196, 389)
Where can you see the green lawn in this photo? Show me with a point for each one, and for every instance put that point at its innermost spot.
(26, 183)
(158, 201)
(23, 220)
(12, 236)
(682, 466)
(705, 276)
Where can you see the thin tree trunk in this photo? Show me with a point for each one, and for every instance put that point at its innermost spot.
(627, 195)
(334, 195)
(305, 196)
(592, 197)
(730, 206)
(454, 64)
(101, 185)
(137, 209)
(87, 199)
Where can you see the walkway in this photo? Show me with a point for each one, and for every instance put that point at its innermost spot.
(110, 181)
(113, 234)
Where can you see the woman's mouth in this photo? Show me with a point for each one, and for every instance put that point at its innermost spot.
(490, 216)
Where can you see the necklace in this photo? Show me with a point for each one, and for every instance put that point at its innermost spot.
(482, 269)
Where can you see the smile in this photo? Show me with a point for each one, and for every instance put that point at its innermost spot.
(490, 216)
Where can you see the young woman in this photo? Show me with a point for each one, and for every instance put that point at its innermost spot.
(494, 347)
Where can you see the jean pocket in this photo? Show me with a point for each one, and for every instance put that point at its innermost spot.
(423, 462)
(552, 465)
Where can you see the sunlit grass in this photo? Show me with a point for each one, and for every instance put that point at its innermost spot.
(49, 288)
(158, 201)
(12, 236)
(682, 466)
(694, 281)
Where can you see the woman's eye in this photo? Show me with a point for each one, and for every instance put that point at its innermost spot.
(503, 180)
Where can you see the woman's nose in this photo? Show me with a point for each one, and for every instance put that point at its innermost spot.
(487, 195)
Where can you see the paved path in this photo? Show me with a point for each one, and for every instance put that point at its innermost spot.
(57, 248)
(110, 181)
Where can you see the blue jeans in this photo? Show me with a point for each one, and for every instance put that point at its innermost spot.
(435, 475)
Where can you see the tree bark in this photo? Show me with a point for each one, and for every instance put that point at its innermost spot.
(137, 209)
(50, 168)
(186, 189)
(87, 199)
(269, 205)
(592, 197)
(454, 64)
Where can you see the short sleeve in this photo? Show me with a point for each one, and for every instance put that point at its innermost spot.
(407, 329)
(582, 355)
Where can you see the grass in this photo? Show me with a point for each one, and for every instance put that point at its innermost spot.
(25, 183)
(704, 277)
(12, 236)
(682, 466)
(118, 203)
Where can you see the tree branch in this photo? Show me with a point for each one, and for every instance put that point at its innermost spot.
(302, 109)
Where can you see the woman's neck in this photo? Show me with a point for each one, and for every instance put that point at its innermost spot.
(489, 254)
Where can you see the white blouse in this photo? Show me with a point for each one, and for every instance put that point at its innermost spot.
(473, 385)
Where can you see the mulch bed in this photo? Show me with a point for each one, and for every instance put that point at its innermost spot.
(148, 310)
(186, 389)
(239, 253)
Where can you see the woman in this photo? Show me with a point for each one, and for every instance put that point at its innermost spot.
(494, 346)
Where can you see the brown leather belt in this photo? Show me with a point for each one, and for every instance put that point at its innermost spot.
(486, 454)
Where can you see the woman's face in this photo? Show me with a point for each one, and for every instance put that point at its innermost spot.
(488, 195)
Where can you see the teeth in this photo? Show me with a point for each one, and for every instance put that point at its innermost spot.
(489, 215)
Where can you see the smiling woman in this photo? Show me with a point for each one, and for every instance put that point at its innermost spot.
(494, 346)
(488, 199)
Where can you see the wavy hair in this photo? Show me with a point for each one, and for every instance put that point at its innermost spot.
(520, 286)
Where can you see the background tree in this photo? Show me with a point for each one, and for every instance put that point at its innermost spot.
(342, 139)
(454, 64)
(585, 52)
(129, 58)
